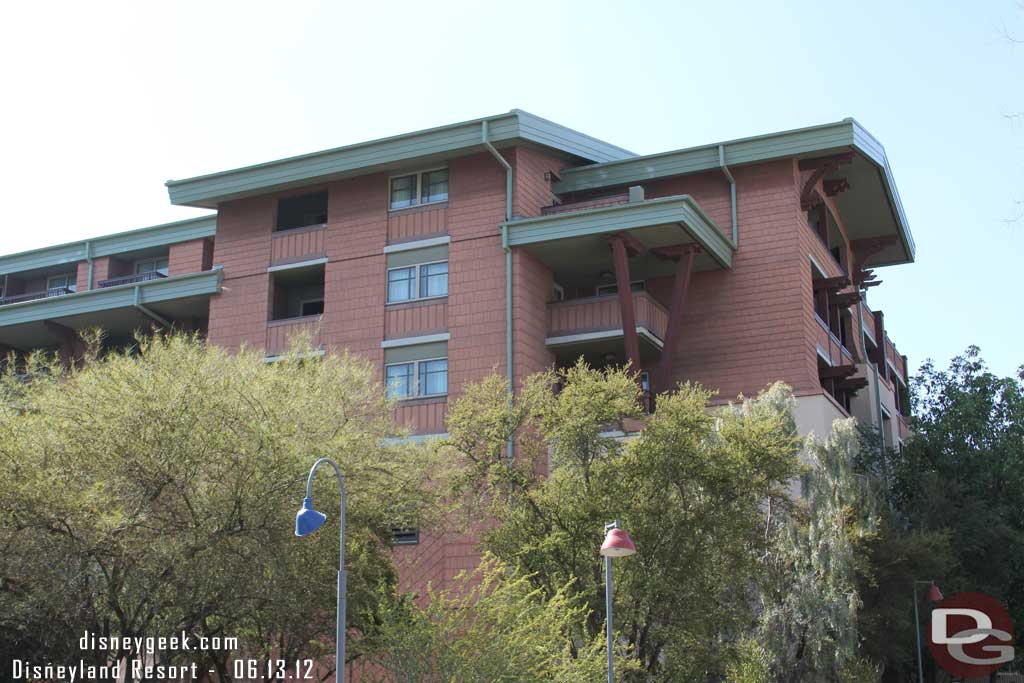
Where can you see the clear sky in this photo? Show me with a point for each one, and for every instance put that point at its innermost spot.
(103, 102)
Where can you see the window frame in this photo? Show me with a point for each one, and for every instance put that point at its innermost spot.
(70, 281)
(153, 260)
(416, 283)
(416, 378)
(418, 198)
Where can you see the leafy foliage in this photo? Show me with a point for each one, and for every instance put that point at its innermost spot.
(689, 488)
(153, 491)
(493, 625)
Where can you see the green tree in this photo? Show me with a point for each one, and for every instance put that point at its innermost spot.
(493, 625)
(809, 594)
(957, 488)
(690, 489)
(153, 491)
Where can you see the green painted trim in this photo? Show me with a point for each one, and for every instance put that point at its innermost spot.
(681, 209)
(122, 296)
(818, 140)
(109, 245)
(391, 152)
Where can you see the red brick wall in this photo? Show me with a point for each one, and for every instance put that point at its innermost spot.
(193, 256)
(238, 315)
(745, 327)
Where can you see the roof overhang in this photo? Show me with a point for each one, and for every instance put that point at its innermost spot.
(870, 208)
(573, 244)
(421, 147)
(107, 245)
(115, 309)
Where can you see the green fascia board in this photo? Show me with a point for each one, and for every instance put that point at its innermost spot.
(681, 209)
(109, 245)
(815, 140)
(365, 157)
(107, 298)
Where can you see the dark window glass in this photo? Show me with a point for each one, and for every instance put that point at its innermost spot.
(298, 212)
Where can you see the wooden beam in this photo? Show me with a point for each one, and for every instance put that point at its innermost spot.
(680, 285)
(634, 247)
(831, 284)
(620, 258)
(821, 166)
(674, 252)
(835, 186)
(844, 299)
(837, 372)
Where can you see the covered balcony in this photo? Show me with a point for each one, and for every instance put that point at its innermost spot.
(621, 267)
(119, 309)
(593, 325)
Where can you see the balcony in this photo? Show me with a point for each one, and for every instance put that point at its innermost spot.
(298, 244)
(119, 309)
(32, 296)
(599, 318)
(131, 279)
(830, 349)
(281, 332)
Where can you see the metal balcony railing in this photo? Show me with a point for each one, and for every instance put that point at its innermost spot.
(31, 296)
(131, 279)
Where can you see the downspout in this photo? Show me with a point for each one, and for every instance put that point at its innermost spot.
(88, 257)
(732, 196)
(508, 267)
(149, 313)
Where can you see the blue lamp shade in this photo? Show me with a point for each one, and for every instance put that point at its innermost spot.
(308, 520)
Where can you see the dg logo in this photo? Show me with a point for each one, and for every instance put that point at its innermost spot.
(971, 635)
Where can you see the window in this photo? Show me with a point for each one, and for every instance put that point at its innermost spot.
(151, 265)
(417, 379)
(434, 377)
(62, 281)
(405, 535)
(311, 307)
(418, 281)
(635, 285)
(302, 211)
(413, 189)
(400, 380)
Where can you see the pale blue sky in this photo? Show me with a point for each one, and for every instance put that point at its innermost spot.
(104, 102)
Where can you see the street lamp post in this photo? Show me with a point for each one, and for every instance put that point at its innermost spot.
(308, 520)
(933, 595)
(617, 543)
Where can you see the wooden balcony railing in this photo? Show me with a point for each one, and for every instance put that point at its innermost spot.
(298, 244)
(280, 333)
(868, 321)
(32, 296)
(602, 313)
(131, 279)
(830, 347)
(893, 357)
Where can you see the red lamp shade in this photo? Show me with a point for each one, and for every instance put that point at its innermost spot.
(617, 543)
(934, 594)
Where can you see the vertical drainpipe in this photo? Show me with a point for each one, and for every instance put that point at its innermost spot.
(732, 196)
(88, 258)
(508, 265)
